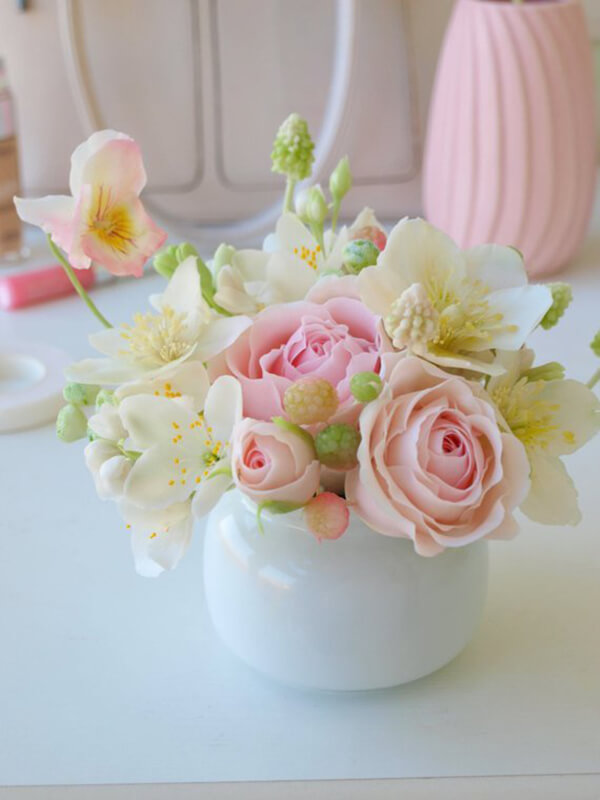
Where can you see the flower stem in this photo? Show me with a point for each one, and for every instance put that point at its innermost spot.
(289, 194)
(594, 379)
(76, 284)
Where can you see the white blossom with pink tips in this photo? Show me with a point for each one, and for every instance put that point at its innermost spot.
(103, 221)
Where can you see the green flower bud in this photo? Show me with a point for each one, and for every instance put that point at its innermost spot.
(185, 250)
(223, 256)
(105, 396)
(595, 344)
(167, 260)
(337, 445)
(340, 180)
(80, 394)
(359, 254)
(293, 149)
(71, 423)
(366, 386)
(561, 298)
(315, 210)
(552, 371)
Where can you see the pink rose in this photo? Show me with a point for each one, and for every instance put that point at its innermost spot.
(333, 340)
(271, 463)
(434, 466)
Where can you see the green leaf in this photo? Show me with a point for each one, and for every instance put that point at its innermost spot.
(291, 427)
(275, 507)
(208, 289)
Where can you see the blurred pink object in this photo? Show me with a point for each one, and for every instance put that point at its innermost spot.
(511, 147)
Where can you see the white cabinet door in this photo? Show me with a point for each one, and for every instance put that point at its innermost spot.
(203, 85)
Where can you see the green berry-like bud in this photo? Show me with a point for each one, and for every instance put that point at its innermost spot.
(315, 209)
(223, 256)
(80, 394)
(340, 181)
(105, 396)
(562, 295)
(359, 254)
(310, 400)
(167, 260)
(71, 423)
(366, 386)
(595, 344)
(552, 371)
(337, 446)
(293, 147)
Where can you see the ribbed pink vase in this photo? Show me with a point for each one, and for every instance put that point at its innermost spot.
(511, 146)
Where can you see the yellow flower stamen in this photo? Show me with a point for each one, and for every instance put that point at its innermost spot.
(112, 224)
(157, 339)
(531, 419)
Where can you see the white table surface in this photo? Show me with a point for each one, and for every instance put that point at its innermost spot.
(109, 678)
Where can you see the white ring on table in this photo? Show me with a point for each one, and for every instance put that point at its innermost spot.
(31, 383)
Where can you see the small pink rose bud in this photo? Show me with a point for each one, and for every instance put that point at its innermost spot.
(327, 516)
(373, 234)
(310, 400)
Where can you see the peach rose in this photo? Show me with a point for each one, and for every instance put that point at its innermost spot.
(271, 463)
(332, 340)
(434, 466)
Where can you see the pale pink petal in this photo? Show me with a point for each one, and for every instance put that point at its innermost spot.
(124, 250)
(53, 214)
(327, 516)
(109, 158)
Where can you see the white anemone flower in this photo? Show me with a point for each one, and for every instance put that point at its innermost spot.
(183, 328)
(452, 307)
(551, 418)
(159, 538)
(184, 446)
(285, 270)
(186, 379)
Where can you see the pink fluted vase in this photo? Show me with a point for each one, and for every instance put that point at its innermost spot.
(511, 146)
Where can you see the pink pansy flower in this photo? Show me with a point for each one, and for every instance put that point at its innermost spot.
(434, 466)
(270, 463)
(103, 221)
(333, 340)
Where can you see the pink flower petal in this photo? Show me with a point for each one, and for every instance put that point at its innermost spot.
(53, 214)
(118, 234)
(110, 158)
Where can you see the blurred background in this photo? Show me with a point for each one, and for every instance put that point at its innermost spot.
(203, 85)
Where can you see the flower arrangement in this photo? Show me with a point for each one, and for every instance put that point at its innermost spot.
(335, 370)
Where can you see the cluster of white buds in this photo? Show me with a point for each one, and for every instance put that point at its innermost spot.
(412, 320)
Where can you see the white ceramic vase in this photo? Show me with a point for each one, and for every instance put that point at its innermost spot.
(362, 612)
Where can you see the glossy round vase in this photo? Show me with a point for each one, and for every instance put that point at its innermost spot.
(510, 155)
(362, 612)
